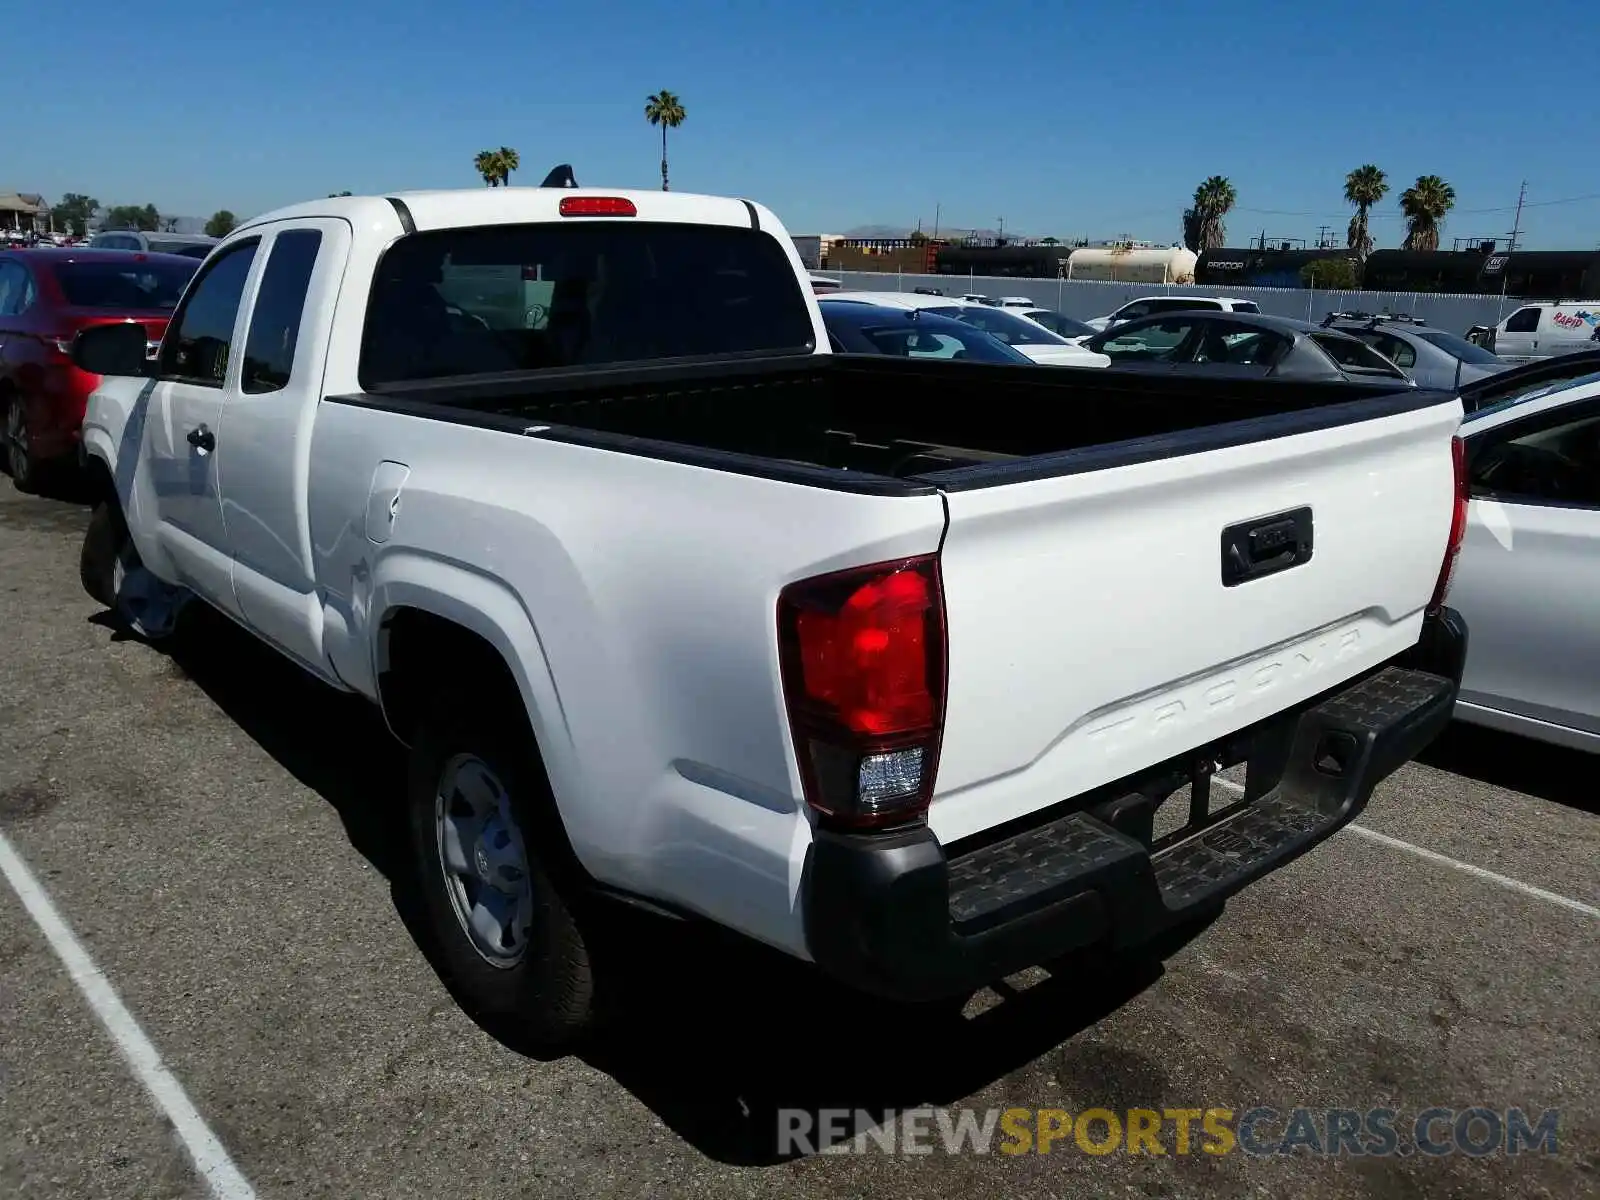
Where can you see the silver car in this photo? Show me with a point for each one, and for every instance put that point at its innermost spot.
(1528, 579)
(1433, 357)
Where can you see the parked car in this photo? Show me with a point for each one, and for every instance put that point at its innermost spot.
(1527, 380)
(1244, 345)
(859, 328)
(1032, 339)
(1154, 306)
(1059, 323)
(886, 664)
(190, 245)
(46, 297)
(823, 284)
(1547, 328)
(1529, 572)
(1435, 358)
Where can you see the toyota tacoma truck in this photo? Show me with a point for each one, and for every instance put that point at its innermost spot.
(886, 664)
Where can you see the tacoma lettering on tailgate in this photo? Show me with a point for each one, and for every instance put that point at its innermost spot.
(1164, 713)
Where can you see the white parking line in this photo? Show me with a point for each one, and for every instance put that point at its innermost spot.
(1444, 860)
(203, 1146)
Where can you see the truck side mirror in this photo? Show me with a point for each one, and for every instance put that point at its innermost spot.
(112, 349)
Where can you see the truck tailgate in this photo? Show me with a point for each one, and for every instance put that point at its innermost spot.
(1091, 630)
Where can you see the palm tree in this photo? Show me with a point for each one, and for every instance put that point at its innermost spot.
(1425, 203)
(487, 164)
(509, 161)
(666, 110)
(1202, 222)
(1363, 187)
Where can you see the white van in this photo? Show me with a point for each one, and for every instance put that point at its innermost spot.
(1548, 328)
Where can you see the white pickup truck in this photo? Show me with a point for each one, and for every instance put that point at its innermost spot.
(885, 664)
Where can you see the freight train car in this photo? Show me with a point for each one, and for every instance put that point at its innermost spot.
(1252, 266)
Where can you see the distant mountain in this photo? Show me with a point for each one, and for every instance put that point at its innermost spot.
(877, 231)
(900, 231)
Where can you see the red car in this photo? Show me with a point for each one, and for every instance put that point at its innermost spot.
(46, 297)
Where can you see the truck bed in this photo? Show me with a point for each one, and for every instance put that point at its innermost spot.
(952, 425)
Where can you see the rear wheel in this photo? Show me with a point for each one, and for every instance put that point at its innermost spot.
(20, 463)
(498, 894)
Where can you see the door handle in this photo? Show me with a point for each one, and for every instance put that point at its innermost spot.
(202, 439)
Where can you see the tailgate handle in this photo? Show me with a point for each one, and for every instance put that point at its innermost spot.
(1265, 546)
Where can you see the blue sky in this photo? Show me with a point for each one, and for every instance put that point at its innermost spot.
(1065, 118)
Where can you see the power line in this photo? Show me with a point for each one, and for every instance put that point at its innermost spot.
(1454, 212)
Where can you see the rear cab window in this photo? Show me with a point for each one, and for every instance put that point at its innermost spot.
(542, 296)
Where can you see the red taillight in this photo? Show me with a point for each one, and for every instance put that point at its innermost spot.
(597, 206)
(1458, 526)
(862, 654)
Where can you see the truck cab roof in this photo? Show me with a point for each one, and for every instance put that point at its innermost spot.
(457, 207)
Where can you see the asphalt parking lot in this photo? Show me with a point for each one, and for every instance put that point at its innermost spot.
(217, 833)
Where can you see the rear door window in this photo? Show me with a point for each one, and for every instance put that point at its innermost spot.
(279, 306)
(546, 296)
(1354, 355)
(1392, 348)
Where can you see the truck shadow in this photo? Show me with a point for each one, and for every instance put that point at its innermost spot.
(721, 1039)
(1517, 764)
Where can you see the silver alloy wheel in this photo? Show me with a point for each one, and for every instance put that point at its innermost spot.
(16, 439)
(484, 860)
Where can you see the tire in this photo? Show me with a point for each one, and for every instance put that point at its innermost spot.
(97, 560)
(546, 993)
(20, 464)
(112, 573)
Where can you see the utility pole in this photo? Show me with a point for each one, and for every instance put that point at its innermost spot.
(1322, 237)
(936, 208)
(1516, 224)
(1516, 229)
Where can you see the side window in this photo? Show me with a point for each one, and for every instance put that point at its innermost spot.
(1524, 320)
(1132, 312)
(933, 345)
(1179, 305)
(1352, 353)
(196, 349)
(1554, 464)
(280, 304)
(1402, 354)
(1152, 343)
(30, 292)
(11, 279)
(1240, 345)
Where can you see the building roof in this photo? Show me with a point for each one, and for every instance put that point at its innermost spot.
(17, 202)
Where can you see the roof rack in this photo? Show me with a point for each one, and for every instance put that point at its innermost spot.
(1373, 320)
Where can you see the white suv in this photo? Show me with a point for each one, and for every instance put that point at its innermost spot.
(1149, 306)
